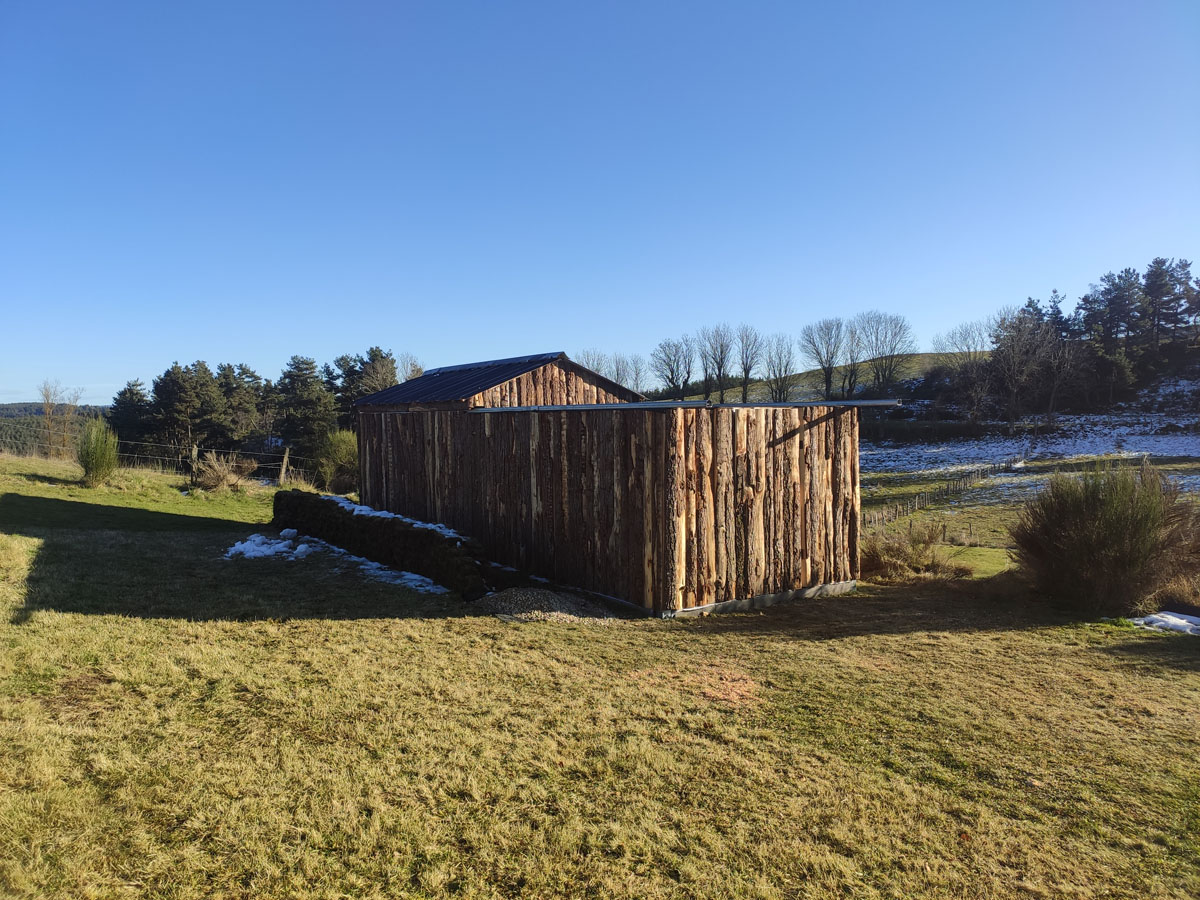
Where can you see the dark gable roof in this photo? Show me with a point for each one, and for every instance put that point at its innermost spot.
(450, 383)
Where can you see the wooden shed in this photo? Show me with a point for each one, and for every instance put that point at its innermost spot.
(674, 507)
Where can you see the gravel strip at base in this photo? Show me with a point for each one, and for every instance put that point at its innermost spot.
(541, 605)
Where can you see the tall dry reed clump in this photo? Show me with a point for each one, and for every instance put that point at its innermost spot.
(1108, 541)
(900, 557)
(222, 471)
(97, 452)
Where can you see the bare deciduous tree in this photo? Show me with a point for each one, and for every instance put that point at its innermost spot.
(779, 361)
(59, 406)
(963, 353)
(852, 359)
(671, 361)
(618, 369)
(596, 360)
(751, 344)
(408, 366)
(823, 343)
(887, 339)
(637, 373)
(1020, 344)
(716, 357)
(1061, 360)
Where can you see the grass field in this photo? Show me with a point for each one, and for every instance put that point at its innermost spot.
(976, 521)
(174, 724)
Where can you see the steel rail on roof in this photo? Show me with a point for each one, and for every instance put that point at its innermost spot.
(683, 404)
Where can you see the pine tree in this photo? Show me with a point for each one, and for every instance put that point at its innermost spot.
(354, 376)
(187, 405)
(130, 412)
(306, 407)
(378, 371)
(242, 390)
(1162, 310)
(1191, 294)
(1109, 312)
(1062, 324)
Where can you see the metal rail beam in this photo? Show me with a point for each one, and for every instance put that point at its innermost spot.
(684, 404)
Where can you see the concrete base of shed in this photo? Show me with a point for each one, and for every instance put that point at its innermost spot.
(763, 600)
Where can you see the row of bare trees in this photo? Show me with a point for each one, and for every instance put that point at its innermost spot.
(1011, 357)
(873, 343)
(726, 360)
(867, 350)
(632, 371)
(60, 415)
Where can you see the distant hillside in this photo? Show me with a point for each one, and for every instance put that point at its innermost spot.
(22, 410)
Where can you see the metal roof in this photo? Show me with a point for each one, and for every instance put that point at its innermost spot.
(450, 383)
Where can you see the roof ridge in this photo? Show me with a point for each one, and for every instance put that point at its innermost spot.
(488, 363)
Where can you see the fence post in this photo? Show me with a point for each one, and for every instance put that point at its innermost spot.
(283, 466)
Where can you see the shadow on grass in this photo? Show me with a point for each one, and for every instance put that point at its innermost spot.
(54, 480)
(1166, 651)
(986, 605)
(999, 603)
(110, 560)
(21, 514)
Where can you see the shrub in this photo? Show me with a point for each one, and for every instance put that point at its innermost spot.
(900, 557)
(222, 472)
(1106, 541)
(97, 452)
(1182, 592)
(338, 462)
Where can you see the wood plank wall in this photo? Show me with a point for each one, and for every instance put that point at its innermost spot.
(555, 384)
(666, 508)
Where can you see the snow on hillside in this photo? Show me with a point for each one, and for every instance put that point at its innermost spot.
(1129, 431)
(1078, 436)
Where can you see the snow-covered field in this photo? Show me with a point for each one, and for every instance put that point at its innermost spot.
(1126, 433)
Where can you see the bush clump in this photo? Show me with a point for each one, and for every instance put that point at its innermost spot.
(1106, 542)
(97, 452)
(222, 472)
(338, 462)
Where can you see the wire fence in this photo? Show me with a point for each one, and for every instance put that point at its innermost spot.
(38, 429)
(37, 440)
(878, 518)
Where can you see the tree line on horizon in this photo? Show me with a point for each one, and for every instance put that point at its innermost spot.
(1130, 327)
(233, 408)
(1127, 329)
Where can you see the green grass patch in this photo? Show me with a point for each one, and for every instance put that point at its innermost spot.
(174, 724)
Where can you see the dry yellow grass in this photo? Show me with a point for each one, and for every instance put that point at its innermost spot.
(173, 724)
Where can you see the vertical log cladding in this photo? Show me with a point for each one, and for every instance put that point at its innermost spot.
(666, 508)
(674, 482)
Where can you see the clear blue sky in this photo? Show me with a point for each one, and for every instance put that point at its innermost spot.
(244, 181)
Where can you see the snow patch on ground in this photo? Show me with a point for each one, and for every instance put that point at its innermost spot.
(259, 546)
(1170, 621)
(290, 545)
(360, 510)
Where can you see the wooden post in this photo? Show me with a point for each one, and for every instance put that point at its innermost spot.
(676, 512)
